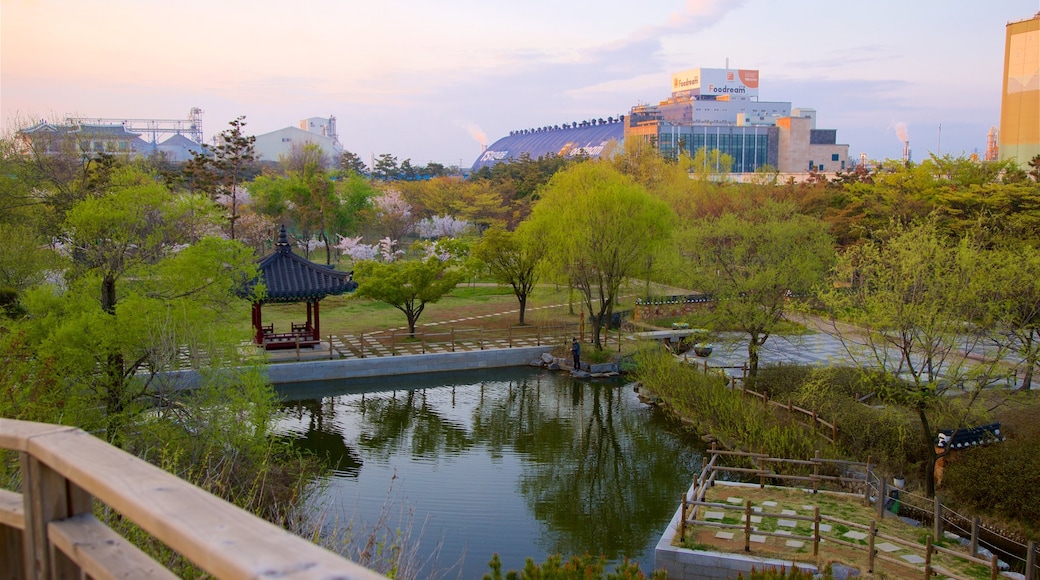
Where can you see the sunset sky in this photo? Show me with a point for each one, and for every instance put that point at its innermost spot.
(429, 81)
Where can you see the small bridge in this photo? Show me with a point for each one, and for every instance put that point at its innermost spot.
(49, 530)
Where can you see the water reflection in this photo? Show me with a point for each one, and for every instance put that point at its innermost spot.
(517, 461)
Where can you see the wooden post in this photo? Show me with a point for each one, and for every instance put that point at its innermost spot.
(761, 472)
(48, 497)
(619, 336)
(393, 344)
(510, 336)
(361, 341)
(452, 339)
(538, 335)
(938, 528)
(422, 341)
(816, 531)
(747, 525)
(866, 483)
(480, 337)
(682, 519)
(994, 569)
(928, 558)
(331, 348)
(882, 492)
(1031, 561)
(974, 545)
(296, 337)
(834, 431)
(871, 552)
(816, 473)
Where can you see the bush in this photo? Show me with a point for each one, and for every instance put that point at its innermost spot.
(577, 568)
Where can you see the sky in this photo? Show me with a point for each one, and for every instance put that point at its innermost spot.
(434, 81)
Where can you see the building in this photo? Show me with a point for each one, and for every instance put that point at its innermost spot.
(1020, 100)
(79, 139)
(711, 109)
(271, 147)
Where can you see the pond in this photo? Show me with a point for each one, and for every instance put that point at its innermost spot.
(520, 462)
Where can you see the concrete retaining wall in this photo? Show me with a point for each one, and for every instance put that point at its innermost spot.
(301, 372)
(683, 564)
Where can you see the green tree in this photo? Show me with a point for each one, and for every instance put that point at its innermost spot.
(512, 259)
(754, 263)
(385, 167)
(600, 226)
(351, 162)
(909, 298)
(135, 295)
(409, 285)
(1010, 289)
(233, 157)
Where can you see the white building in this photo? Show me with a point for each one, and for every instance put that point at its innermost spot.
(271, 147)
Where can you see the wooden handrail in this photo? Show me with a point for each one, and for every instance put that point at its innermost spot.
(66, 469)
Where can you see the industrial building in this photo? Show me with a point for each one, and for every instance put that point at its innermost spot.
(271, 147)
(1020, 100)
(713, 109)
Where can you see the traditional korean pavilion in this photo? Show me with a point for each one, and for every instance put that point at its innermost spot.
(291, 278)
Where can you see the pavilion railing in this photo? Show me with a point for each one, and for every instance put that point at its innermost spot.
(49, 529)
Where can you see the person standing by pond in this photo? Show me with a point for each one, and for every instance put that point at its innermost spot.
(576, 352)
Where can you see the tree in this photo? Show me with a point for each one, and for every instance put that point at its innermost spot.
(1010, 284)
(385, 167)
(513, 259)
(351, 162)
(232, 157)
(409, 285)
(909, 298)
(752, 265)
(394, 214)
(599, 225)
(135, 295)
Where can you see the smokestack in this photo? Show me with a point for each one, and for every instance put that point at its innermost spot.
(906, 151)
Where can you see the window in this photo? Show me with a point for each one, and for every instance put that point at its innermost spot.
(834, 157)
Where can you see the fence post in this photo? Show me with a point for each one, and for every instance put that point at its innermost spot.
(48, 497)
(393, 343)
(480, 337)
(866, 483)
(297, 338)
(361, 341)
(816, 472)
(682, 519)
(974, 546)
(452, 339)
(834, 430)
(510, 336)
(994, 569)
(747, 525)
(870, 547)
(938, 517)
(331, 348)
(816, 531)
(882, 492)
(422, 342)
(928, 558)
(538, 335)
(1031, 561)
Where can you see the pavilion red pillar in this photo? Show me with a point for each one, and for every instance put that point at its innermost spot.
(317, 322)
(258, 334)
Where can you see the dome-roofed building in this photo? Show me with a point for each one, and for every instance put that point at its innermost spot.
(589, 138)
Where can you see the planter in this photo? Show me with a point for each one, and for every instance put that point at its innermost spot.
(702, 349)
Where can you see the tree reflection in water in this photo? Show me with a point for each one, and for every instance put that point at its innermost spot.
(598, 471)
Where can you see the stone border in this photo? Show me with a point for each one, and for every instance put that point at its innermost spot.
(302, 372)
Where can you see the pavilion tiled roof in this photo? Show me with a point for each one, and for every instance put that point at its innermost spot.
(292, 278)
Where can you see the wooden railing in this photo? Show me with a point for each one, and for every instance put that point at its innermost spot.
(49, 530)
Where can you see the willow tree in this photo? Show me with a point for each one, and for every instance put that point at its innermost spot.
(754, 263)
(599, 226)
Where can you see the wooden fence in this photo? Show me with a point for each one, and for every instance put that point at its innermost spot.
(49, 529)
(859, 476)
